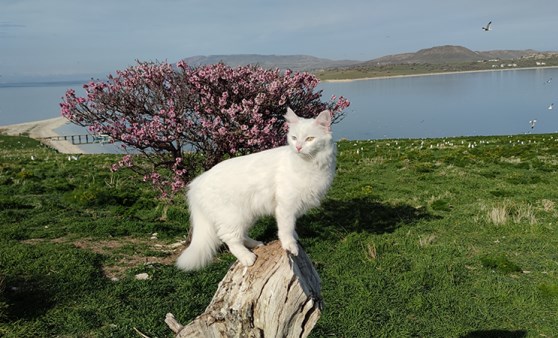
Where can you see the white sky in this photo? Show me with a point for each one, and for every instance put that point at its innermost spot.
(65, 37)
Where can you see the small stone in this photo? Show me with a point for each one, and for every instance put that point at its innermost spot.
(142, 276)
(176, 245)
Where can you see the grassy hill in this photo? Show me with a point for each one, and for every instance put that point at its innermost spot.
(437, 59)
(451, 54)
(440, 59)
(450, 237)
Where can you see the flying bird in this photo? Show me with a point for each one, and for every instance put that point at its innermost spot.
(551, 106)
(532, 123)
(549, 81)
(487, 28)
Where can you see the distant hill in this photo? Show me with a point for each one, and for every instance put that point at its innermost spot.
(449, 54)
(434, 55)
(293, 62)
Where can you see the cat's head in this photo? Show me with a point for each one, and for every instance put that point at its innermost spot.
(309, 136)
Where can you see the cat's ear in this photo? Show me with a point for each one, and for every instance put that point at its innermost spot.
(290, 116)
(324, 120)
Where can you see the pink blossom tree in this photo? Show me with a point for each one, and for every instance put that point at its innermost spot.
(182, 119)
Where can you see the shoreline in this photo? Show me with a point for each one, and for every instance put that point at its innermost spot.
(41, 130)
(384, 77)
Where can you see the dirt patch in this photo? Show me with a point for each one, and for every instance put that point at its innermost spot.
(125, 253)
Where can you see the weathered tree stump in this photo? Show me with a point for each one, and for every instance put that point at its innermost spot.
(279, 296)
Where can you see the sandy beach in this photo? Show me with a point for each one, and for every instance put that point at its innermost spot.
(437, 73)
(43, 129)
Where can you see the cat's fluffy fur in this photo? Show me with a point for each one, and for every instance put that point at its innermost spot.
(285, 182)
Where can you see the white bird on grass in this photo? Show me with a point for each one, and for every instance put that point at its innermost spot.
(487, 28)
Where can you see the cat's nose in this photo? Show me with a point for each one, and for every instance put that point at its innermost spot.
(298, 148)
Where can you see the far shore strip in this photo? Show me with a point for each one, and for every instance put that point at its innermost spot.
(41, 129)
(383, 77)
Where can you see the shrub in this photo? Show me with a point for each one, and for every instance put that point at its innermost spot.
(165, 112)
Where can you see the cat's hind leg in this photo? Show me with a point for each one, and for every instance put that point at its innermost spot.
(232, 231)
(244, 256)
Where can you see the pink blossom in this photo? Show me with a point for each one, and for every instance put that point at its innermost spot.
(164, 113)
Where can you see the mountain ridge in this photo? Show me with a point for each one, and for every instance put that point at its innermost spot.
(450, 54)
(298, 62)
(436, 56)
(433, 55)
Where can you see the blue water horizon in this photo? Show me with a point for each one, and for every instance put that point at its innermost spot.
(500, 102)
(449, 105)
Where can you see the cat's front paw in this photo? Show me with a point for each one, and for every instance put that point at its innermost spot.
(291, 247)
(247, 259)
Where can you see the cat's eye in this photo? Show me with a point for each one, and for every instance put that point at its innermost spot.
(293, 138)
(310, 138)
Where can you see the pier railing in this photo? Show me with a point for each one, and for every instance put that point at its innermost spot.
(81, 139)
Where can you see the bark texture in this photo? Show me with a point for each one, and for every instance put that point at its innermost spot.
(279, 296)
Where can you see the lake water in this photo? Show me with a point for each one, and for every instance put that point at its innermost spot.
(38, 101)
(33, 101)
(466, 104)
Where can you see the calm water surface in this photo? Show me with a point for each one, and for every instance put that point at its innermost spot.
(31, 102)
(483, 103)
(38, 101)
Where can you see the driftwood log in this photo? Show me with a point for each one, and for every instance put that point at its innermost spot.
(279, 296)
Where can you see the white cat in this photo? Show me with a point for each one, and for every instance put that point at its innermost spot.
(286, 181)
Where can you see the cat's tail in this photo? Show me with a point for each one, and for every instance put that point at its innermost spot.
(203, 246)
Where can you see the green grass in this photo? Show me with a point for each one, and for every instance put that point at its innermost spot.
(416, 238)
